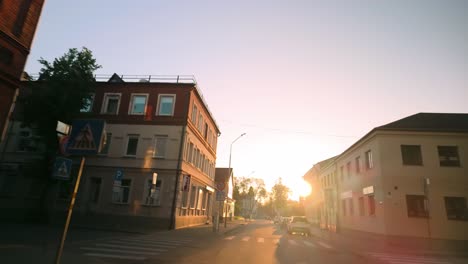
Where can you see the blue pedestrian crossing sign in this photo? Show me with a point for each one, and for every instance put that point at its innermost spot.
(62, 168)
(87, 137)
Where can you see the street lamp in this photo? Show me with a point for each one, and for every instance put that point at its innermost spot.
(229, 170)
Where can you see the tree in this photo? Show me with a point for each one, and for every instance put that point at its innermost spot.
(63, 88)
(250, 190)
(280, 194)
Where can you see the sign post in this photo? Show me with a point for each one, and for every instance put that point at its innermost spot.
(86, 138)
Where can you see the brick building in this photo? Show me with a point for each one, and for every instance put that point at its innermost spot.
(154, 127)
(18, 22)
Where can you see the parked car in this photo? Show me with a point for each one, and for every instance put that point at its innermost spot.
(299, 225)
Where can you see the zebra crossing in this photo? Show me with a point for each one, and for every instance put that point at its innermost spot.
(405, 259)
(132, 248)
(291, 242)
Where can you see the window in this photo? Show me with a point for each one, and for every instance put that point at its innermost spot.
(160, 143)
(26, 142)
(371, 201)
(88, 104)
(21, 17)
(138, 104)
(111, 104)
(121, 193)
(190, 153)
(343, 207)
(205, 131)
(351, 206)
(358, 164)
(448, 156)
(369, 160)
(94, 189)
(105, 147)
(193, 197)
(342, 173)
(194, 114)
(416, 206)
(361, 206)
(456, 208)
(152, 194)
(411, 154)
(166, 105)
(348, 169)
(201, 199)
(132, 144)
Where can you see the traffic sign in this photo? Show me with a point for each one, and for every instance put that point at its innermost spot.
(220, 196)
(86, 137)
(62, 168)
(220, 185)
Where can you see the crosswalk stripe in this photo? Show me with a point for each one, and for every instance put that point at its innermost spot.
(130, 247)
(260, 240)
(144, 244)
(391, 257)
(310, 244)
(325, 245)
(119, 251)
(114, 256)
(132, 241)
(156, 241)
(229, 238)
(246, 239)
(292, 242)
(165, 239)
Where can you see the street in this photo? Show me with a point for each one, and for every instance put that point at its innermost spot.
(256, 242)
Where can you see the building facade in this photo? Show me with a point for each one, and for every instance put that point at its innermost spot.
(157, 166)
(18, 22)
(406, 178)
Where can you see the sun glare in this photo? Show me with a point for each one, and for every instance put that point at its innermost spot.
(299, 188)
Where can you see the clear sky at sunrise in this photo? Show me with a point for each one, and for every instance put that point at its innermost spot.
(303, 79)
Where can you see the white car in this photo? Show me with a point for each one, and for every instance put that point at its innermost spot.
(299, 225)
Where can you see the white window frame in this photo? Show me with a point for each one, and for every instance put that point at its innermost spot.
(126, 145)
(130, 107)
(105, 102)
(159, 104)
(369, 160)
(147, 199)
(155, 141)
(129, 192)
(194, 114)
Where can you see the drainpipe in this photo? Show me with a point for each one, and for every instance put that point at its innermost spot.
(177, 176)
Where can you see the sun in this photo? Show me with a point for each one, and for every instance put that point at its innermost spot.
(299, 188)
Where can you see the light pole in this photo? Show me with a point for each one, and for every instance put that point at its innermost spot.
(229, 170)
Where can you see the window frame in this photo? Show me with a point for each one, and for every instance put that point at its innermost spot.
(155, 141)
(371, 204)
(131, 103)
(407, 152)
(92, 99)
(457, 156)
(129, 136)
(129, 187)
(107, 145)
(417, 214)
(369, 160)
(158, 108)
(463, 216)
(105, 103)
(358, 164)
(147, 191)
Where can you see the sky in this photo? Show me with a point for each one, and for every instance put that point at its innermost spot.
(303, 79)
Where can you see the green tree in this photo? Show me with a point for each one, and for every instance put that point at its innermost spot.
(280, 194)
(64, 87)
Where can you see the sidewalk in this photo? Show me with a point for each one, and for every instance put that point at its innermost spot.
(367, 242)
(231, 227)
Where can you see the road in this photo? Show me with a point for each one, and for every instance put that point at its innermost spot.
(258, 242)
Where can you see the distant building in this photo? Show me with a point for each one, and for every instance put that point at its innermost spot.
(159, 131)
(405, 178)
(18, 22)
(225, 183)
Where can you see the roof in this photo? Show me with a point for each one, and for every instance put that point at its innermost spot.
(222, 174)
(429, 122)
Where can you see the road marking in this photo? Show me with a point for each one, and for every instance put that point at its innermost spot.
(114, 256)
(400, 259)
(246, 239)
(129, 247)
(325, 245)
(137, 242)
(260, 240)
(276, 241)
(156, 241)
(292, 242)
(229, 238)
(119, 251)
(309, 244)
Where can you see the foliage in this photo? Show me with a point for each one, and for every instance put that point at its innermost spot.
(280, 194)
(251, 189)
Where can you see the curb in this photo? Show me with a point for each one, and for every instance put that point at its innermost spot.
(227, 232)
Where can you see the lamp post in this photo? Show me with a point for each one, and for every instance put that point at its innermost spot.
(229, 170)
